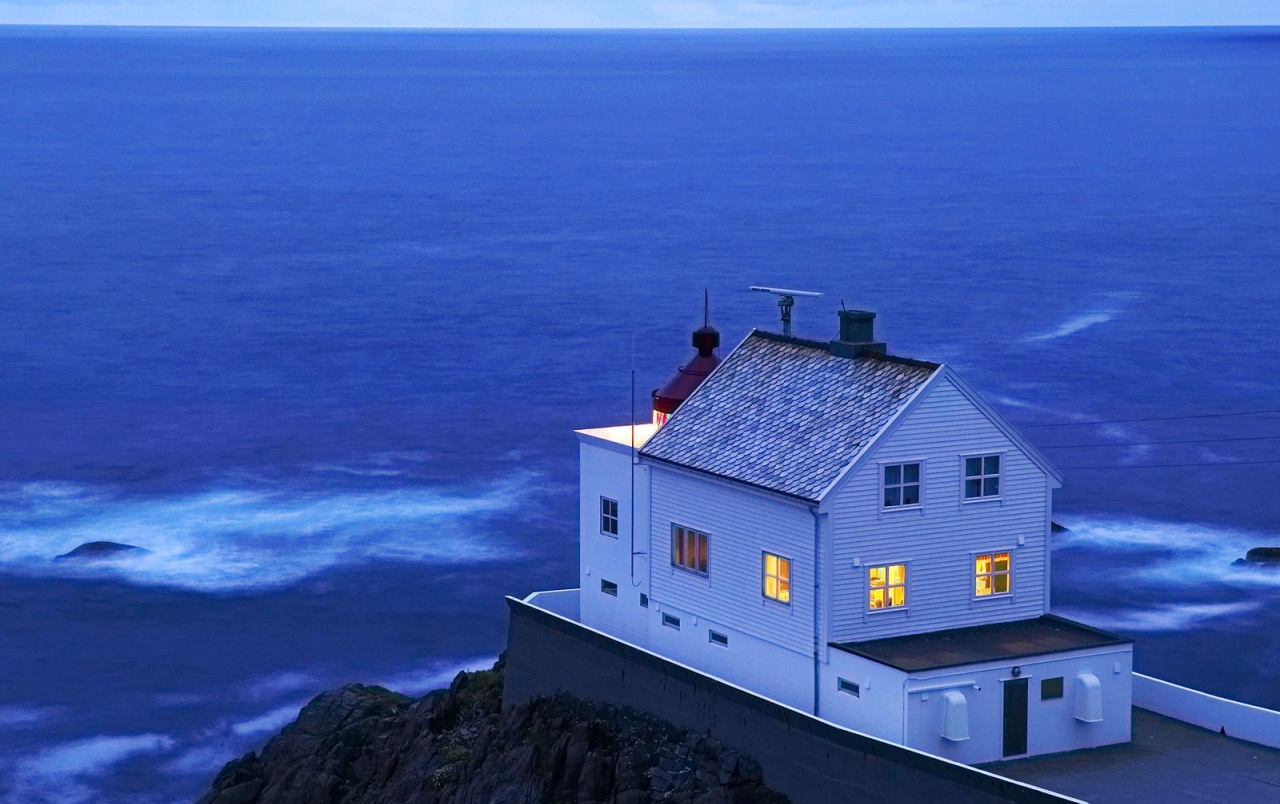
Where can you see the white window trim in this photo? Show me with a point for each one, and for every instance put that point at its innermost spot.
(887, 509)
(617, 518)
(712, 641)
(1004, 466)
(866, 587)
(671, 551)
(973, 573)
(791, 578)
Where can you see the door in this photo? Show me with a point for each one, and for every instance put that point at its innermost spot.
(1015, 717)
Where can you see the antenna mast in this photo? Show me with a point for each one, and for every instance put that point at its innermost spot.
(786, 300)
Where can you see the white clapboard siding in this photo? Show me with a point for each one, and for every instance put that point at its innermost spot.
(938, 541)
(741, 524)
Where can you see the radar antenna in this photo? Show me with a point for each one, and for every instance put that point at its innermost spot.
(786, 300)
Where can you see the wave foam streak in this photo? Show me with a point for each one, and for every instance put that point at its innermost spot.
(227, 540)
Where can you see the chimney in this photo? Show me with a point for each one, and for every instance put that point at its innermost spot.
(857, 334)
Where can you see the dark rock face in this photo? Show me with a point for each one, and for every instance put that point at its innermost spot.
(90, 551)
(368, 745)
(1269, 556)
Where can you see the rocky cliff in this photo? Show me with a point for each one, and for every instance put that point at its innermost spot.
(457, 746)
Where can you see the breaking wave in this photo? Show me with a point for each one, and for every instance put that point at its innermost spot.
(64, 773)
(1074, 325)
(237, 538)
(1173, 617)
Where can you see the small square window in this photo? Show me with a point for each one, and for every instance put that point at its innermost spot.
(849, 687)
(901, 485)
(671, 621)
(644, 600)
(887, 586)
(608, 516)
(609, 587)
(981, 477)
(991, 574)
(717, 638)
(1051, 688)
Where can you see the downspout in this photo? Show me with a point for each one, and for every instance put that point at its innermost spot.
(817, 656)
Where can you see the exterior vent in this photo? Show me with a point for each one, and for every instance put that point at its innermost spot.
(1088, 698)
(955, 716)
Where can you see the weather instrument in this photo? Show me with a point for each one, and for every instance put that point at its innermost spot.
(786, 300)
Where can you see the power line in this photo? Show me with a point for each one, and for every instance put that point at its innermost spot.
(1153, 443)
(1168, 465)
(1154, 419)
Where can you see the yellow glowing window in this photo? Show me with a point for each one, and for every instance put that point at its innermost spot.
(777, 578)
(991, 574)
(887, 586)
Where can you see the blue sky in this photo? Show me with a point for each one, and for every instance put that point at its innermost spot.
(643, 13)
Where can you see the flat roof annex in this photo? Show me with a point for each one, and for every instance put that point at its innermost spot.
(978, 644)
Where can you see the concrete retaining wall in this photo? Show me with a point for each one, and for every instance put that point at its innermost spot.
(808, 759)
(1240, 720)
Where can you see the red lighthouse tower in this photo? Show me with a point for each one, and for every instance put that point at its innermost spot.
(706, 339)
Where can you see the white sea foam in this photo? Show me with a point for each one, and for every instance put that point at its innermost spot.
(436, 676)
(273, 686)
(22, 717)
(227, 540)
(1173, 617)
(1181, 554)
(1074, 325)
(268, 721)
(60, 774)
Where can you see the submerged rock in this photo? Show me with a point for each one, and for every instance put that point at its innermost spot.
(91, 551)
(1268, 556)
(369, 745)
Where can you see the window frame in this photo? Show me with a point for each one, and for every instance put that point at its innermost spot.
(983, 477)
(905, 585)
(1062, 687)
(717, 638)
(974, 574)
(670, 621)
(915, 506)
(608, 587)
(705, 553)
(764, 577)
(605, 517)
(848, 687)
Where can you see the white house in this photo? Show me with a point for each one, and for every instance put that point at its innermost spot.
(851, 533)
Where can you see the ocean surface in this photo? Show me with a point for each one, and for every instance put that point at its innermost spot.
(311, 316)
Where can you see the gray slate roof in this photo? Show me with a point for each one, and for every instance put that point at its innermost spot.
(786, 414)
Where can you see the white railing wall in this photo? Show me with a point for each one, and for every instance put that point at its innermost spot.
(1240, 720)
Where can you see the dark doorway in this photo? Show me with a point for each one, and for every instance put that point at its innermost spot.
(1015, 717)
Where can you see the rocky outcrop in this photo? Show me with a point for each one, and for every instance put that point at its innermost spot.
(366, 744)
(92, 551)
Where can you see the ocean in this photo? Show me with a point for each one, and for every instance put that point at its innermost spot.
(311, 316)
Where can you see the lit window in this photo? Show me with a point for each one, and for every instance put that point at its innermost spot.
(689, 549)
(901, 485)
(608, 516)
(850, 687)
(777, 578)
(609, 588)
(671, 621)
(888, 586)
(991, 574)
(981, 477)
(717, 638)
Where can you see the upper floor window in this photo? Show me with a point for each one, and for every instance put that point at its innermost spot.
(981, 477)
(689, 549)
(901, 484)
(608, 516)
(777, 578)
(991, 574)
(887, 586)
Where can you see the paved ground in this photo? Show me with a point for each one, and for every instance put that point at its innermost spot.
(1168, 762)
